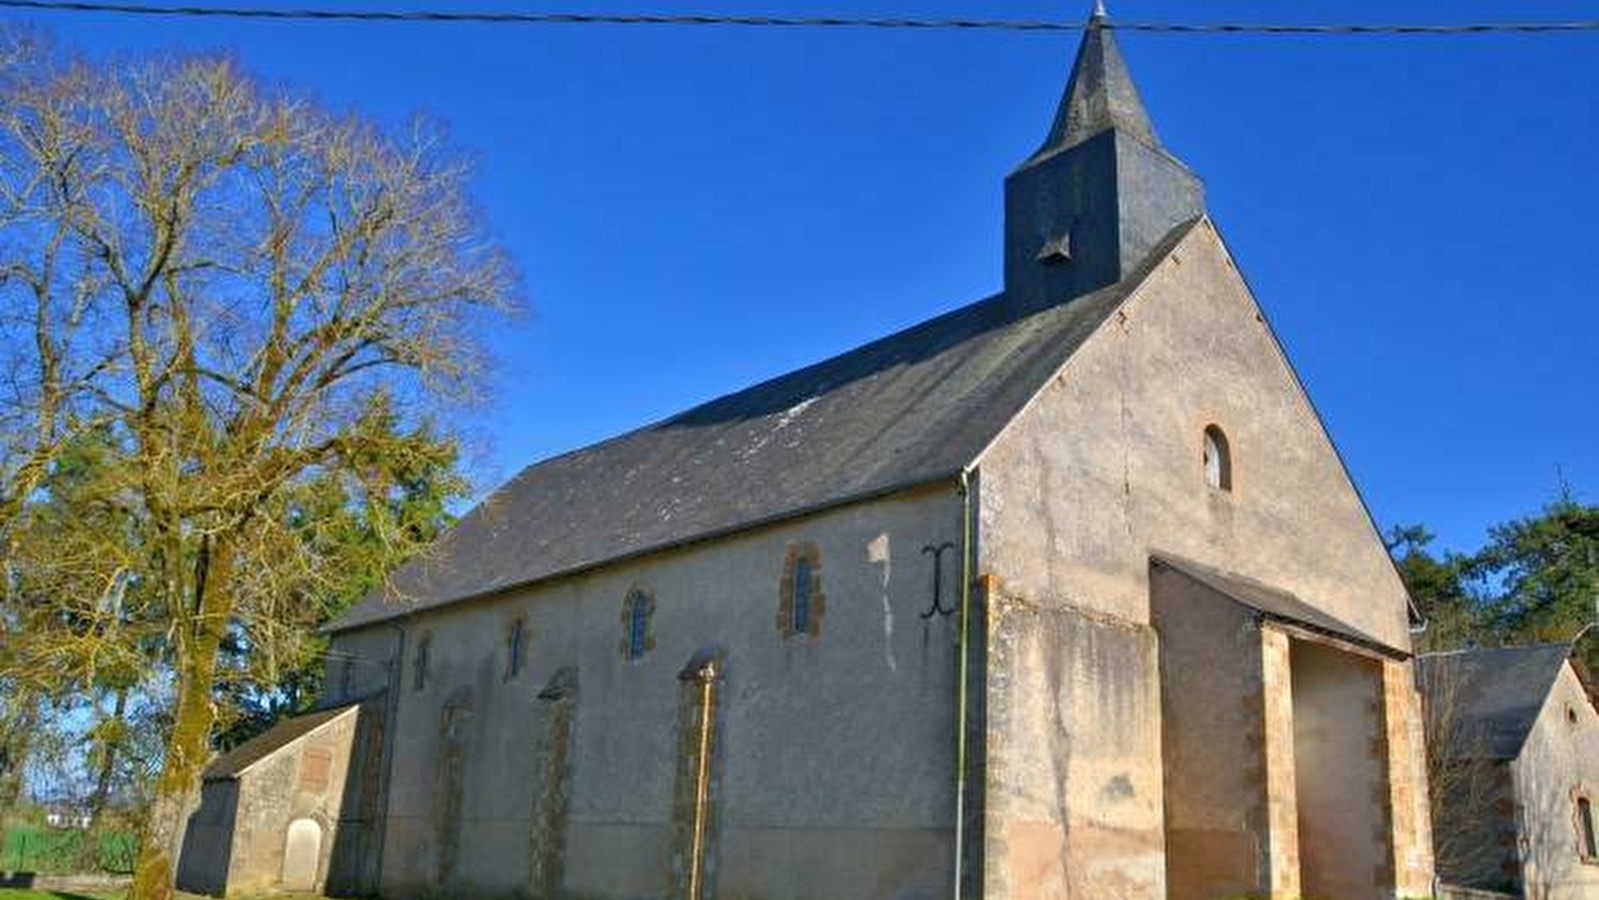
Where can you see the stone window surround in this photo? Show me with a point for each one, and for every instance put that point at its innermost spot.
(812, 555)
(635, 597)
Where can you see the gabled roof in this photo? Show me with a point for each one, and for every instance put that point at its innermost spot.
(233, 763)
(1274, 604)
(911, 409)
(1491, 696)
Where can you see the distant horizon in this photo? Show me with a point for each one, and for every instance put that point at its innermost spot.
(699, 210)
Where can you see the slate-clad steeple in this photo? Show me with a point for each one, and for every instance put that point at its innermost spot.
(1084, 210)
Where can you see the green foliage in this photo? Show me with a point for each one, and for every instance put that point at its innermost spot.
(356, 526)
(1535, 580)
(1437, 585)
(1546, 569)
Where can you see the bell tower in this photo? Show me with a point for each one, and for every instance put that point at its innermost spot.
(1086, 208)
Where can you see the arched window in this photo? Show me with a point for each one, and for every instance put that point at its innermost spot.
(421, 661)
(636, 612)
(1218, 459)
(515, 648)
(800, 601)
(1589, 846)
(802, 596)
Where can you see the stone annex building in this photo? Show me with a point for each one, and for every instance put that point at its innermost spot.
(1063, 594)
(1519, 727)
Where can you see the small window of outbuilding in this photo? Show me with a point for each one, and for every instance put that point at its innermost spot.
(1218, 459)
(1588, 844)
(347, 678)
(637, 610)
(421, 661)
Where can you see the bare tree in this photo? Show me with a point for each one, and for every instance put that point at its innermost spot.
(1468, 785)
(243, 294)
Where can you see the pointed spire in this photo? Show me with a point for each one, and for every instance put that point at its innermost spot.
(1101, 194)
(1101, 94)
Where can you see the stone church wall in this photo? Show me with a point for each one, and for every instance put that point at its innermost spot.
(832, 759)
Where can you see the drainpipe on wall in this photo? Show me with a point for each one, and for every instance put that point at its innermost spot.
(963, 700)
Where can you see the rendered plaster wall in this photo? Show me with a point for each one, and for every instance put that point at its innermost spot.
(833, 760)
(1104, 469)
(1072, 788)
(304, 780)
(1341, 753)
(1105, 466)
(1213, 729)
(1558, 763)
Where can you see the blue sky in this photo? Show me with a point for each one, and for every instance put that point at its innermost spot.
(699, 209)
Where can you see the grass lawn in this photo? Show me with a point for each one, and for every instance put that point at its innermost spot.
(29, 848)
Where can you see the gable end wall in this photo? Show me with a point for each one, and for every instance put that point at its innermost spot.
(1104, 466)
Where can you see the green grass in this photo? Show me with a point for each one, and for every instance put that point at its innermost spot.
(30, 848)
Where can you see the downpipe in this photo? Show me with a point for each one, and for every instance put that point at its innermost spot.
(963, 689)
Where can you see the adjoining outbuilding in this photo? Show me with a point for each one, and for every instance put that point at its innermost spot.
(1514, 735)
(288, 811)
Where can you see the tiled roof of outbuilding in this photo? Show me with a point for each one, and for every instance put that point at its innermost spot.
(233, 763)
(1493, 694)
(910, 409)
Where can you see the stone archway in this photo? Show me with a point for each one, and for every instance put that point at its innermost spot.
(302, 856)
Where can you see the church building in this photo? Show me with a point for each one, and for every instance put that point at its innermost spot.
(1063, 594)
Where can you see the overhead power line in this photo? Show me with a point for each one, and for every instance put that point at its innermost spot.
(573, 18)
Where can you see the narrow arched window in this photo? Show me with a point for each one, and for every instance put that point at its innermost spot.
(636, 612)
(802, 596)
(1218, 459)
(421, 662)
(800, 601)
(515, 648)
(1590, 846)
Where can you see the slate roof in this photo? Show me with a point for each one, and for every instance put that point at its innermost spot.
(1100, 96)
(1497, 692)
(907, 410)
(1274, 603)
(233, 763)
